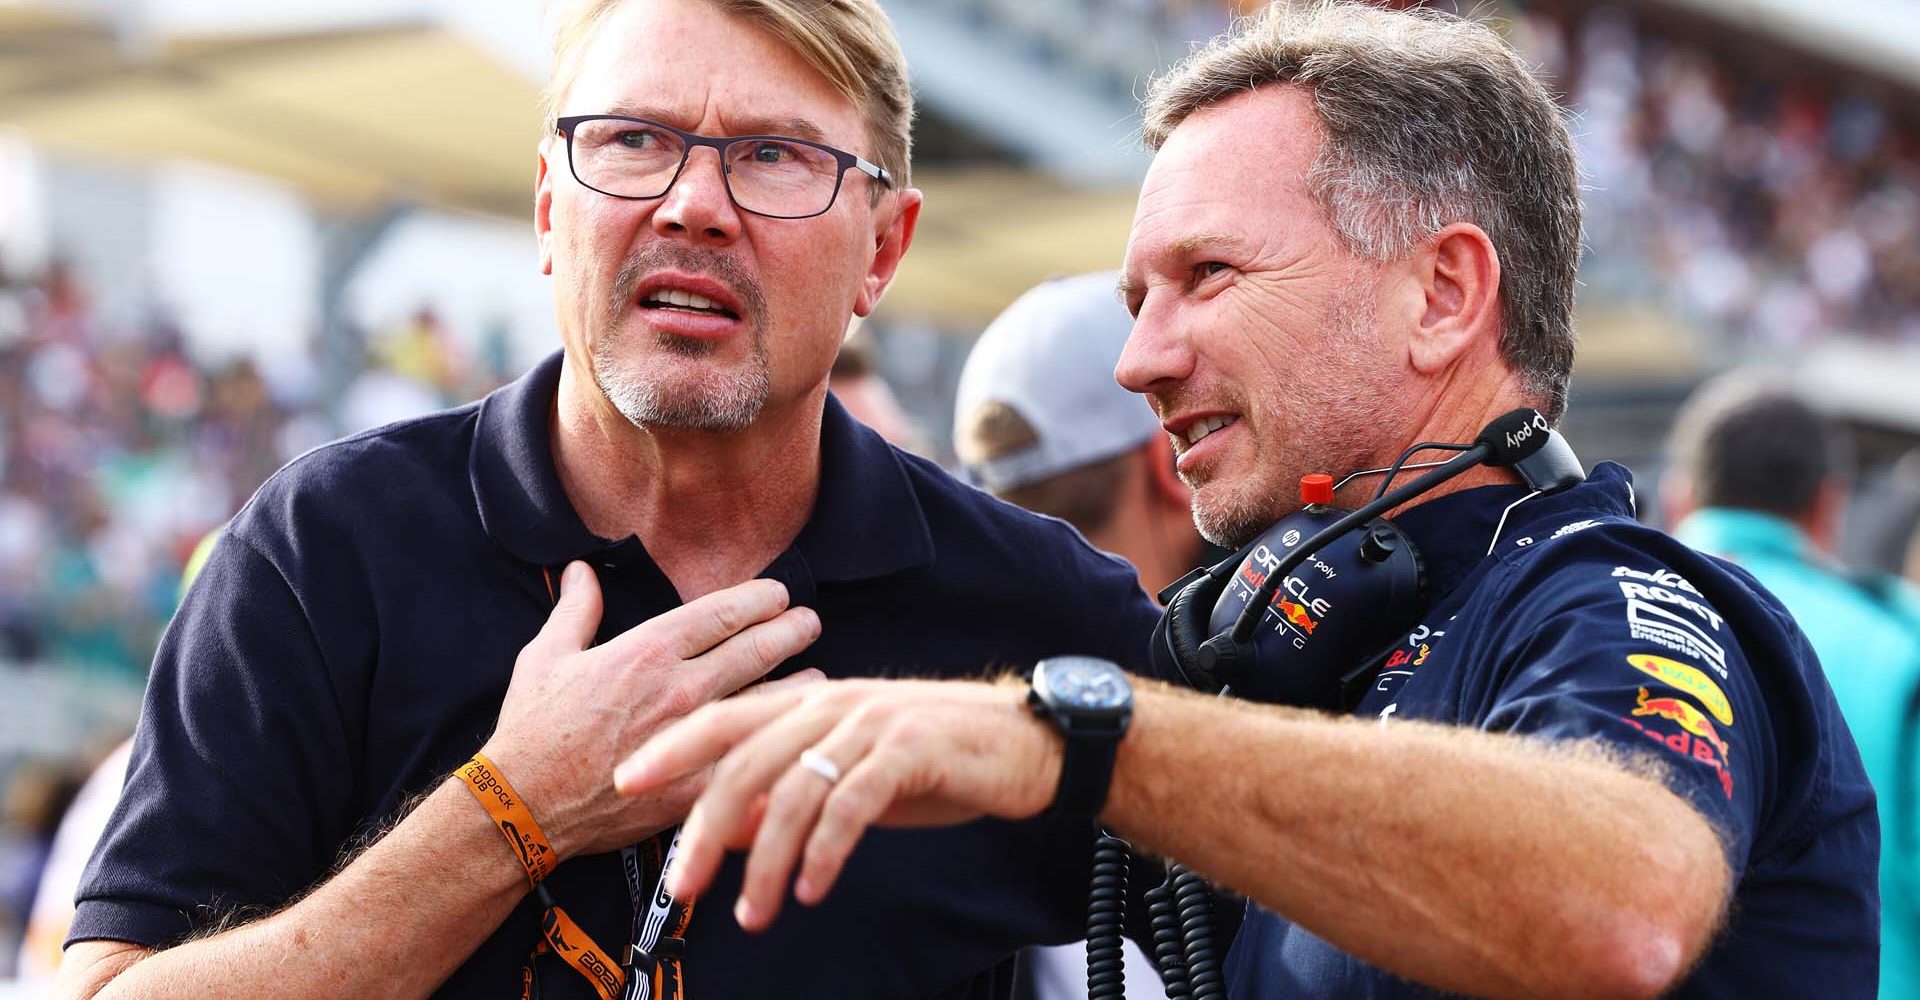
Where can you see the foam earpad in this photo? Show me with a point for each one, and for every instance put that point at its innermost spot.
(1186, 629)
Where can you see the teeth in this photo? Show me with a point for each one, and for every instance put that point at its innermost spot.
(679, 297)
(1202, 428)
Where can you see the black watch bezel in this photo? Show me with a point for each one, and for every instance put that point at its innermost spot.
(1092, 732)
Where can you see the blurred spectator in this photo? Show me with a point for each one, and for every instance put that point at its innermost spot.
(36, 797)
(79, 829)
(858, 385)
(1884, 522)
(1040, 422)
(119, 450)
(1759, 478)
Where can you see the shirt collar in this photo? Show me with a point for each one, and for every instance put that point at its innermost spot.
(867, 521)
(1455, 532)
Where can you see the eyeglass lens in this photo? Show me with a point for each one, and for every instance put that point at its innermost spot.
(769, 176)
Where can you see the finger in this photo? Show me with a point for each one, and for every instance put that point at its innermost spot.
(700, 738)
(799, 679)
(576, 614)
(746, 772)
(863, 795)
(746, 657)
(793, 807)
(700, 624)
(750, 828)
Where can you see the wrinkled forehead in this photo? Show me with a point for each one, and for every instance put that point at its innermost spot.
(1237, 169)
(694, 66)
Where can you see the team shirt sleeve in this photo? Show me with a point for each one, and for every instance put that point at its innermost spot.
(1622, 649)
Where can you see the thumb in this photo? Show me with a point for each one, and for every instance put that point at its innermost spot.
(576, 615)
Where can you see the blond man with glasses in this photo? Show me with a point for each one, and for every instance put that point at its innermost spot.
(376, 756)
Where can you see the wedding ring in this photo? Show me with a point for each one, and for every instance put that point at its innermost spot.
(817, 762)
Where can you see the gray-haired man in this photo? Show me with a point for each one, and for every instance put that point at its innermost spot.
(1596, 750)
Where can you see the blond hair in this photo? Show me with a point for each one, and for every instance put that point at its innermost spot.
(850, 42)
(1427, 119)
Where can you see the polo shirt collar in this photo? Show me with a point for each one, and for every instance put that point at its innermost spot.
(867, 521)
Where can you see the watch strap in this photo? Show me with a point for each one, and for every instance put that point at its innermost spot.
(1086, 773)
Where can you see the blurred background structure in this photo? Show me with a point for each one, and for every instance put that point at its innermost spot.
(231, 232)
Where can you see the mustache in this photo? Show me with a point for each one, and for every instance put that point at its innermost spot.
(1184, 398)
(693, 260)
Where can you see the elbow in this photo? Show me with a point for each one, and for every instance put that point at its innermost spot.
(1642, 953)
(1644, 963)
(1658, 922)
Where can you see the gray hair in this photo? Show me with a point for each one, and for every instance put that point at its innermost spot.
(1428, 120)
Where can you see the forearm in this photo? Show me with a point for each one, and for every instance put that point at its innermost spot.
(396, 922)
(1471, 862)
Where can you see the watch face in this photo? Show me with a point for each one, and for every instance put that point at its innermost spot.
(1085, 683)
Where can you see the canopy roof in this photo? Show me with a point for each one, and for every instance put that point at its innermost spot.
(353, 118)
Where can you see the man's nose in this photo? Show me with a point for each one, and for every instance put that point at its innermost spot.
(698, 204)
(1156, 356)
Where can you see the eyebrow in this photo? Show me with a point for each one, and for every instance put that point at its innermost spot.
(794, 127)
(1199, 243)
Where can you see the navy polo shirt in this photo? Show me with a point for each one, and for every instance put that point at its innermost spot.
(351, 639)
(1581, 624)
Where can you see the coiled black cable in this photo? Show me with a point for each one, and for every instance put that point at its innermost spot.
(1169, 953)
(1106, 920)
(1194, 902)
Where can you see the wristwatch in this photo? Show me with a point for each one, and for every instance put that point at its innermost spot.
(1090, 702)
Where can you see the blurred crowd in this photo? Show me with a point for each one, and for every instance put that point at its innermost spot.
(120, 450)
(1766, 208)
(1764, 204)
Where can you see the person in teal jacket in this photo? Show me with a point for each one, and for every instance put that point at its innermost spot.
(1759, 478)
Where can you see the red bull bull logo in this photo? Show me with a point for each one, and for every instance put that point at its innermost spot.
(1688, 717)
(1295, 614)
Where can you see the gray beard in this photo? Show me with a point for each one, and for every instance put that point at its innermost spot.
(724, 402)
(1229, 525)
(665, 395)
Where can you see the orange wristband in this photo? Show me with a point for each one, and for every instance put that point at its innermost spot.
(511, 815)
(578, 949)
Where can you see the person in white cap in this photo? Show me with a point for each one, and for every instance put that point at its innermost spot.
(1040, 423)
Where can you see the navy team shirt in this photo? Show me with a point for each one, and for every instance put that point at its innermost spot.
(1585, 625)
(351, 639)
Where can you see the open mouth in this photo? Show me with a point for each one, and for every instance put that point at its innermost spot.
(681, 300)
(1199, 429)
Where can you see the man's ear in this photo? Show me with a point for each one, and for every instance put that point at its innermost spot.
(1821, 522)
(1676, 497)
(543, 208)
(1161, 477)
(1458, 276)
(891, 238)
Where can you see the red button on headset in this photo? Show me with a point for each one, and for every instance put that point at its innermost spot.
(1316, 488)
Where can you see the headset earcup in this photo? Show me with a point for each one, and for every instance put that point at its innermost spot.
(1186, 629)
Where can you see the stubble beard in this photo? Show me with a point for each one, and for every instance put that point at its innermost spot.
(1323, 412)
(663, 390)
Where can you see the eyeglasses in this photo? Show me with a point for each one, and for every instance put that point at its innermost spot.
(771, 175)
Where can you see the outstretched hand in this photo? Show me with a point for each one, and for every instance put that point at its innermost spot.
(907, 753)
